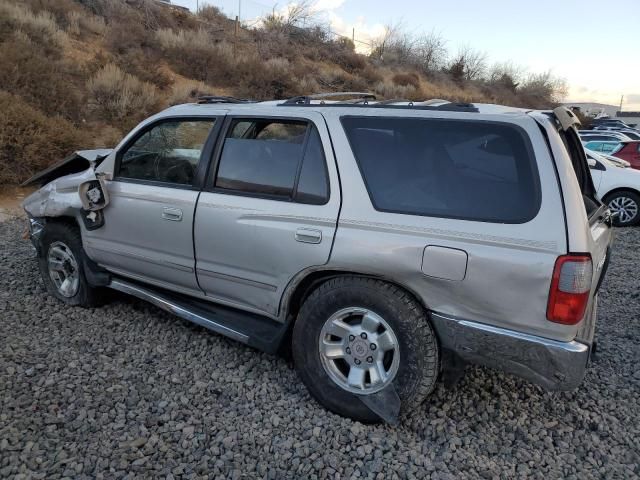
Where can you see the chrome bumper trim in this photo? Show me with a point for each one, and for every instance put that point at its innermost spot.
(553, 364)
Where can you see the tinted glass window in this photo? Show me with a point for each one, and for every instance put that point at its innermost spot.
(282, 159)
(313, 185)
(262, 157)
(168, 152)
(445, 168)
(600, 137)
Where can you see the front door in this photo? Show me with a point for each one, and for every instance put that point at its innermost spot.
(147, 233)
(269, 211)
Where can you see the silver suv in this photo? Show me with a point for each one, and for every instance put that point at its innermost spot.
(383, 244)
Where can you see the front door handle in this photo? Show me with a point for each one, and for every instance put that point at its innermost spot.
(173, 214)
(308, 235)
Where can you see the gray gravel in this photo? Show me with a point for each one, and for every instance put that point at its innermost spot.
(128, 391)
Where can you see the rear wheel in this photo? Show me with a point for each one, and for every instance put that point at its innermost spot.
(355, 336)
(61, 265)
(627, 205)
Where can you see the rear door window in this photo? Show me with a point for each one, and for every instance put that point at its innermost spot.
(483, 171)
(278, 159)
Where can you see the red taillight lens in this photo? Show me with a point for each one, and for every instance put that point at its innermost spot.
(570, 288)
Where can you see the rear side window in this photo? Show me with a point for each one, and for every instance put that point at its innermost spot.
(279, 159)
(469, 170)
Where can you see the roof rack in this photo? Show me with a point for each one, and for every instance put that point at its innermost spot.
(361, 99)
(306, 99)
(222, 99)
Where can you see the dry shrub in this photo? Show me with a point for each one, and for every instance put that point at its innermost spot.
(31, 141)
(188, 92)
(309, 85)
(73, 23)
(94, 24)
(390, 90)
(212, 14)
(79, 23)
(41, 25)
(125, 37)
(195, 54)
(118, 96)
(260, 80)
(406, 80)
(334, 79)
(48, 83)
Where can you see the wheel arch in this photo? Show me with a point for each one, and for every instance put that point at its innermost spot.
(620, 189)
(303, 285)
(96, 275)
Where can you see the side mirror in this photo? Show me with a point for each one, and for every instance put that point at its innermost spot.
(592, 163)
(93, 194)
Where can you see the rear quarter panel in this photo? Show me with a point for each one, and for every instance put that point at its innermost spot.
(509, 265)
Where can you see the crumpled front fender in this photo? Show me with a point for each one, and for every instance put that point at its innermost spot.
(59, 197)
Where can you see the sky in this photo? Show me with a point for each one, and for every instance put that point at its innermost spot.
(592, 44)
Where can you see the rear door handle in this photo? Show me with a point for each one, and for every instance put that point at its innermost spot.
(173, 214)
(308, 235)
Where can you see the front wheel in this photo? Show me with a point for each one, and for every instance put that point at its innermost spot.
(61, 265)
(355, 336)
(627, 205)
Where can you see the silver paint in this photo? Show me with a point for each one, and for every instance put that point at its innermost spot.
(249, 254)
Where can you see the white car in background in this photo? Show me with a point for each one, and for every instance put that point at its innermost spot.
(618, 186)
(591, 135)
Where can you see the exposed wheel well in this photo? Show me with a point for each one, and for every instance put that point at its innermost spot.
(315, 279)
(96, 275)
(621, 189)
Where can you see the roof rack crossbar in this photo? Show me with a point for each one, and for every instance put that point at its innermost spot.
(306, 99)
(206, 99)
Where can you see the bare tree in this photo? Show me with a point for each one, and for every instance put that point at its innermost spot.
(380, 46)
(475, 63)
(468, 64)
(545, 88)
(302, 14)
(507, 75)
(430, 51)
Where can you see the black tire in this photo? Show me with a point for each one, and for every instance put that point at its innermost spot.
(629, 196)
(69, 235)
(419, 353)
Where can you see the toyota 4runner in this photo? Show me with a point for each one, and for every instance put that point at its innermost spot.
(384, 244)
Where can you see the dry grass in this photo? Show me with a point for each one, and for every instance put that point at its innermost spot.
(116, 95)
(31, 140)
(196, 54)
(407, 80)
(41, 24)
(45, 81)
(188, 91)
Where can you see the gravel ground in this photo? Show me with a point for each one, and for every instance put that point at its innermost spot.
(127, 391)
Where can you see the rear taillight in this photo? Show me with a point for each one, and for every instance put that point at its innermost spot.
(570, 287)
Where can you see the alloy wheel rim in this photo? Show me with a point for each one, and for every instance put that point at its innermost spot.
(63, 269)
(626, 208)
(359, 350)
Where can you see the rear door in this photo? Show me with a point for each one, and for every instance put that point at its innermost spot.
(598, 214)
(269, 209)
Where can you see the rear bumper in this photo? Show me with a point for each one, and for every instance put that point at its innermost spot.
(553, 364)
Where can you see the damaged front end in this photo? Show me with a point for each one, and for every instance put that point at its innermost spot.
(70, 188)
